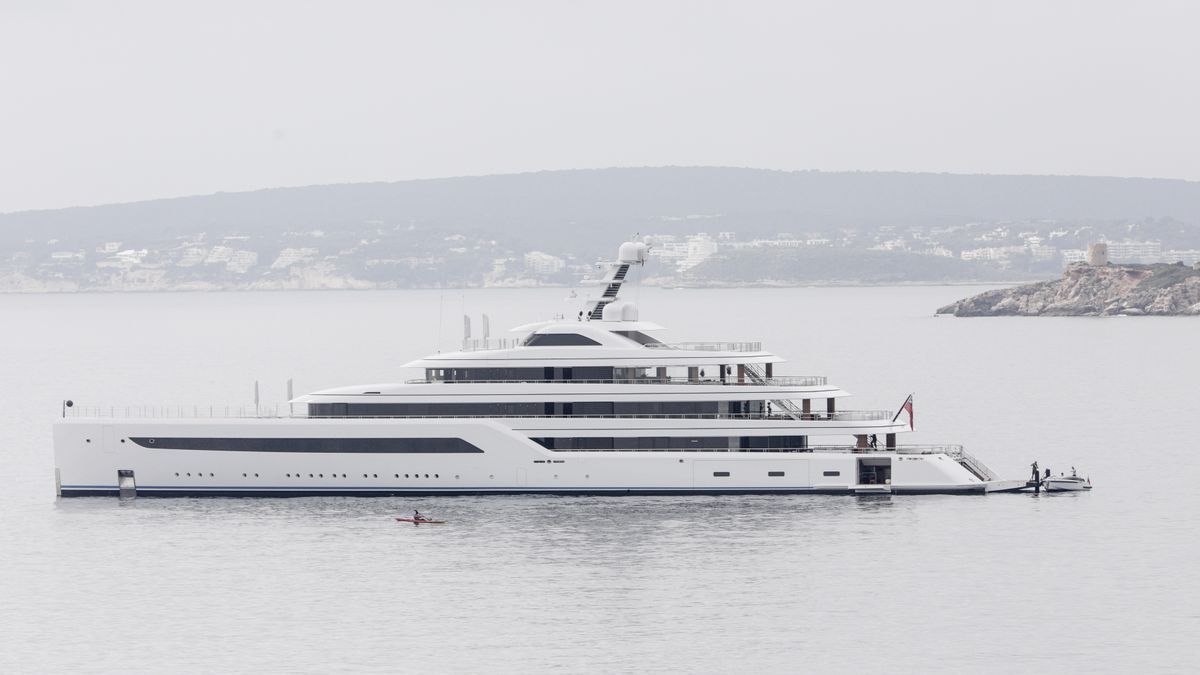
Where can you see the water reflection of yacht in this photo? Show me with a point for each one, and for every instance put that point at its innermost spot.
(595, 404)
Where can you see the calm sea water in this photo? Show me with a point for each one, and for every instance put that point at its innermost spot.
(1099, 582)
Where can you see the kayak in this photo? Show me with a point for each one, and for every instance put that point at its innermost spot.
(421, 521)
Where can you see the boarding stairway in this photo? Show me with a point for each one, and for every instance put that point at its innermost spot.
(755, 374)
(970, 463)
(615, 279)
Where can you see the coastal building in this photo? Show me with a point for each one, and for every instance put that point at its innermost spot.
(684, 253)
(1040, 252)
(1145, 252)
(241, 261)
(219, 255)
(700, 248)
(290, 256)
(1071, 256)
(192, 256)
(537, 262)
(1187, 257)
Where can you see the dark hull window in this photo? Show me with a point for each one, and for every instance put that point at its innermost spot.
(521, 409)
(559, 340)
(774, 442)
(425, 409)
(592, 373)
(495, 374)
(700, 443)
(331, 445)
(638, 337)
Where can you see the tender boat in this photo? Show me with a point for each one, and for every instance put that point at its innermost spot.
(1065, 483)
(593, 404)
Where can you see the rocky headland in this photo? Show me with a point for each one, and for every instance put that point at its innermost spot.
(1094, 290)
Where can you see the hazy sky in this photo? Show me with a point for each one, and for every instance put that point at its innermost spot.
(120, 101)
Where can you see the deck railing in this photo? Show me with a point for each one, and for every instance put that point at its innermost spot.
(709, 346)
(487, 344)
(482, 344)
(953, 451)
(236, 411)
(283, 411)
(785, 381)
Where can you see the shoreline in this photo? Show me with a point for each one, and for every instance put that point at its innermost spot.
(671, 287)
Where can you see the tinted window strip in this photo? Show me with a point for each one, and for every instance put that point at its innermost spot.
(559, 340)
(672, 442)
(332, 445)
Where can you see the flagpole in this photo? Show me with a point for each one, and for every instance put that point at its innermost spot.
(902, 405)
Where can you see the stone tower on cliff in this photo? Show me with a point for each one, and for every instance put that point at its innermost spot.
(1097, 254)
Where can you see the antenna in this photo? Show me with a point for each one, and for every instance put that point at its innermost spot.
(441, 307)
(486, 328)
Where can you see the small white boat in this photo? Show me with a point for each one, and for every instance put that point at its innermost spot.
(1065, 483)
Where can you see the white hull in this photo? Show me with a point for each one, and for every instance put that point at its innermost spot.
(89, 453)
(1065, 485)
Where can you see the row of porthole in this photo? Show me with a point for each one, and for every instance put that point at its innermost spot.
(200, 474)
(334, 475)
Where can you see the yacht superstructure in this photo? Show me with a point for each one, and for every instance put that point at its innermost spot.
(594, 404)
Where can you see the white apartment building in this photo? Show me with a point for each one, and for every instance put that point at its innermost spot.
(1189, 256)
(699, 248)
(1145, 252)
(537, 262)
(1073, 255)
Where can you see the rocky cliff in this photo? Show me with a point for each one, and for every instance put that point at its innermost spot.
(1085, 290)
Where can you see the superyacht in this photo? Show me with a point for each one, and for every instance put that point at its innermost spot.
(591, 404)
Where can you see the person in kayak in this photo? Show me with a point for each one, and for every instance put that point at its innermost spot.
(417, 515)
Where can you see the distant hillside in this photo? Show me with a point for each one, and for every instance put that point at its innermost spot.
(596, 207)
(709, 225)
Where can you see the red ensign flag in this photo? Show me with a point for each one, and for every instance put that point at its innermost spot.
(908, 408)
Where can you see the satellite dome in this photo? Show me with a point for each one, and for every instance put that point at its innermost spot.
(632, 252)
